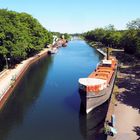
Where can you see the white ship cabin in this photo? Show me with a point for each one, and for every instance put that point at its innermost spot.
(106, 63)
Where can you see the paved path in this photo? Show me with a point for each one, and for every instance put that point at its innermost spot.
(7, 76)
(127, 122)
(127, 109)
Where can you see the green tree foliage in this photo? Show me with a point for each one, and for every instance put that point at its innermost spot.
(66, 36)
(128, 39)
(21, 35)
(60, 35)
(131, 38)
(107, 35)
(134, 24)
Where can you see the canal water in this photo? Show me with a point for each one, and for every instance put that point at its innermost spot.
(46, 103)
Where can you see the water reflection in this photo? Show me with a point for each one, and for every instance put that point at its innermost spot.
(91, 124)
(24, 96)
(46, 103)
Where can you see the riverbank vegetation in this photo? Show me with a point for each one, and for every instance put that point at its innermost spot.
(128, 39)
(21, 36)
(62, 35)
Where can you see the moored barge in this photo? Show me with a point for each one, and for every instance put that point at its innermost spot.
(98, 86)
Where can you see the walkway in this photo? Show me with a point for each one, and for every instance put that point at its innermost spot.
(127, 105)
(8, 77)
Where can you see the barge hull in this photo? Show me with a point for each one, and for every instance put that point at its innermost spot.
(91, 101)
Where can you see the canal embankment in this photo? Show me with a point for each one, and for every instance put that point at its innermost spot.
(124, 103)
(102, 52)
(10, 78)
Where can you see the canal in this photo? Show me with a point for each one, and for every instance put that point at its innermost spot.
(46, 103)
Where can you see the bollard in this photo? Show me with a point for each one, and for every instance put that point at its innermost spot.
(113, 120)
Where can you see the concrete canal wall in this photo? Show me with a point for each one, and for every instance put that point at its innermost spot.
(9, 79)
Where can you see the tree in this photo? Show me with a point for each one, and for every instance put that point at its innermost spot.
(110, 27)
(21, 35)
(134, 24)
(129, 41)
(66, 36)
(131, 38)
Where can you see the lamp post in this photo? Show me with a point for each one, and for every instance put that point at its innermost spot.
(6, 60)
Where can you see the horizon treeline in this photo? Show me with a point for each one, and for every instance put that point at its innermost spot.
(128, 39)
(60, 35)
(21, 36)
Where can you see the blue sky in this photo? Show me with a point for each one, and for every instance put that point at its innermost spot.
(77, 15)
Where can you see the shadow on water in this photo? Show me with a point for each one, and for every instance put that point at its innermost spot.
(73, 102)
(91, 124)
(13, 112)
(46, 103)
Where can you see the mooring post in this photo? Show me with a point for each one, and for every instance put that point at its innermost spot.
(113, 120)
